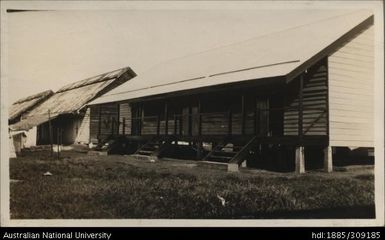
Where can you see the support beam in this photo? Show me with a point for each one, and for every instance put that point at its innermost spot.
(256, 116)
(229, 122)
(141, 112)
(180, 125)
(112, 126)
(99, 123)
(300, 109)
(124, 126)
(328, 159)
(300, 151)
(300, 159)
(199, 118)
(199, 146)
(243, 115)
(166, 118)
(158, 125)
(58, 142)
(50, 131)
(118, 119)
(175, 125)
(190, 118)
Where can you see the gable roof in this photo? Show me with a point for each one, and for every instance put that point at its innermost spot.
(279, 54)
(23, 105)
(73, 97)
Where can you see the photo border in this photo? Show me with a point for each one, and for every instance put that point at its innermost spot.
(375, 6)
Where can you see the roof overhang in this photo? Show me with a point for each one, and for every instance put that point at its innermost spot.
(32, 121)
(263, 83)
(331, 48)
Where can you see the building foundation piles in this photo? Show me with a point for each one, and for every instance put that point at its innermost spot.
(300, 160)
(328, 159)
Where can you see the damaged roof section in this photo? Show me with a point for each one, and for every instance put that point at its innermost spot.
(22, 106)
(73, 97)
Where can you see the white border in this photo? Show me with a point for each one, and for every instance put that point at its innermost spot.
(375, 6)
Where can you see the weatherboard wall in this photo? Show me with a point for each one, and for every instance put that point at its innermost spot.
(314, 103)
(351, 80)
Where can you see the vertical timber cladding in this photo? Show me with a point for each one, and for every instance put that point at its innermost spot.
(351, 86)
(125, 119)
(314, 102)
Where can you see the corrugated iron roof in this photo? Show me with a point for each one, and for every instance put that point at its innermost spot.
(70, 100)
(32, 121)
(92, 80)
(72, 97)
(23, 105)
(272, 55)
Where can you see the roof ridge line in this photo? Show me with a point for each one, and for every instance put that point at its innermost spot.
(97, 81)
(32, 97)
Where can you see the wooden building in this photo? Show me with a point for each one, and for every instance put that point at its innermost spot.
(63, 117)
(281, 101)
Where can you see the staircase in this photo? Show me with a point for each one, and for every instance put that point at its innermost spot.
(233, 153)
(153, 148)
(229, 151)
(223, 152)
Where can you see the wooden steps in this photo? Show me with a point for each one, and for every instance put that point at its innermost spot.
(225, 151)
(229, 153)
(149, 148)
(154, 147)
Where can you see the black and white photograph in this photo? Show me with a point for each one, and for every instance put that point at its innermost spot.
(200, 113)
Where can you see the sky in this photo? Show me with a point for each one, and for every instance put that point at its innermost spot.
(48, 49)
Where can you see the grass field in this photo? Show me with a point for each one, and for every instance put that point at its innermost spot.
(84, 186)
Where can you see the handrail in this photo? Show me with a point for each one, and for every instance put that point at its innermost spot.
(167, 142)
(250, 113)
(239, 157)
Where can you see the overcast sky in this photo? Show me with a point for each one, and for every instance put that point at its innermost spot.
(48, 49)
